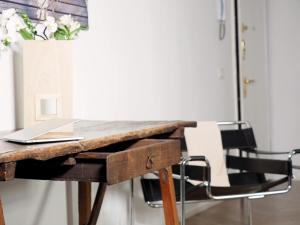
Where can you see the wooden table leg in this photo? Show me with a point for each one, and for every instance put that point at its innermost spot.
(168, 196)
(97, 204)
(2, 221)
(84, 202)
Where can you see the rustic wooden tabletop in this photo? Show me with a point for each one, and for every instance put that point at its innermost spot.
(96, 134)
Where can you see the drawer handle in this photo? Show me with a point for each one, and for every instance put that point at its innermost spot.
(150, 162)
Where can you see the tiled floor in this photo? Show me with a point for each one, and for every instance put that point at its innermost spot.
(276, 210)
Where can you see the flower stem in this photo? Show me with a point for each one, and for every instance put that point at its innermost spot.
(45, 34)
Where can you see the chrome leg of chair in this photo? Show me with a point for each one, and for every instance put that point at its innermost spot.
(131, 204)
(246, 211)
(249, 209)
(243, 208)
(182, 192)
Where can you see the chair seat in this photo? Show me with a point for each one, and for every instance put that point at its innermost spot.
(246, 182)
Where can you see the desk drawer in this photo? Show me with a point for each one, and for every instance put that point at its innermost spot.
(143, 157)
(112, 164)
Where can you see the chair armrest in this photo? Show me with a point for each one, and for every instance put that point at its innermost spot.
(262, 152)
(188, 159)
(192, 172)
(292, 153)
(295, 151)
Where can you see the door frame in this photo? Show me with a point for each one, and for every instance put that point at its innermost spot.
(237, 67)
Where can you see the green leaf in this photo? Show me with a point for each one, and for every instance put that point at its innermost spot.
(26, 34)
(27, 21)
(6, 42)
(61, 34)
(82, 27)
(68, 33)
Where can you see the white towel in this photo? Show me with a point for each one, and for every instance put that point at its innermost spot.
(206, 140)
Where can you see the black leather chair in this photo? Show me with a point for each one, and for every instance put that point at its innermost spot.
(246, 170)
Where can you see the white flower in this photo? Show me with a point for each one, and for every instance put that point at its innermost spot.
(50, 24)
(2, 22)
(2, 46)
(66, 20)
(13, 37)
(40, 29)
(6, 14)
(7, 37)
(3, 33)
(12, 25)
(15, 23)
(74, 26)
(46, 29)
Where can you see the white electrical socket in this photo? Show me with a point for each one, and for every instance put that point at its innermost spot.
(47, 107)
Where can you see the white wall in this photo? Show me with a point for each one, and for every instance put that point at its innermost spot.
(155, 59)
(140, 60)
(284, 55)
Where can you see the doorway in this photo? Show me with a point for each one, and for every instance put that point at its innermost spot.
(252, 68)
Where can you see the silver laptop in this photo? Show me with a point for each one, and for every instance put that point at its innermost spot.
(48, 131)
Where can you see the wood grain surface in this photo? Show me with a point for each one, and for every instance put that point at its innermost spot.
(2, 221)
(134, 162)
(7, 171)
(112, 165)
(97, 204)
(168, 196)
(84, 202)
(97, 134)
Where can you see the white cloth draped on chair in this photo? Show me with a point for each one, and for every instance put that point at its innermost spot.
(205, 140)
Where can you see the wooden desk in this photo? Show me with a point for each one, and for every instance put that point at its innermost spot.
(111, 152)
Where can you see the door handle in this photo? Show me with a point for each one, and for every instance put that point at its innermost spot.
(244, 28)
(246, 83)
(243, 49)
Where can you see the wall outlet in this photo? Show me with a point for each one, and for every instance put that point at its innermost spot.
(47, 107)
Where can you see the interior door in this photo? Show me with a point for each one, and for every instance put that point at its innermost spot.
(253, 61)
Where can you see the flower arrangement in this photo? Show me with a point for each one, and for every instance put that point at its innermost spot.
(17, 25)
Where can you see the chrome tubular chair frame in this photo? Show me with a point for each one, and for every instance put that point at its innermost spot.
(207, 184)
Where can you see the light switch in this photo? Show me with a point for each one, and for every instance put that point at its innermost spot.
(48, 106)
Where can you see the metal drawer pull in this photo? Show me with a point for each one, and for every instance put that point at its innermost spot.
(149, 164)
